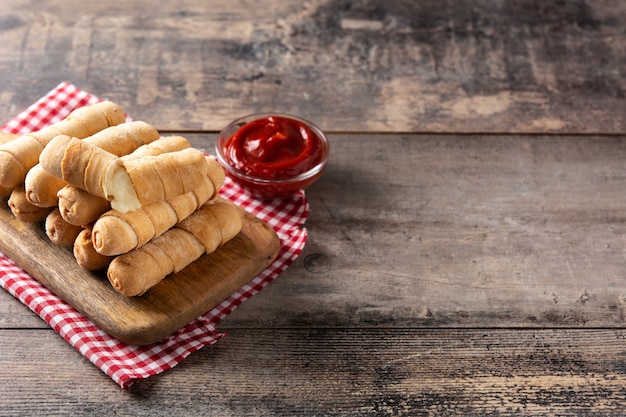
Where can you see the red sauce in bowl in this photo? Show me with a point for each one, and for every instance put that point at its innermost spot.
(272, 155)
(274, 147)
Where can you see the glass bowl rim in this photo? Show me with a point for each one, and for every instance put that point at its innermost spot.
(239, 122)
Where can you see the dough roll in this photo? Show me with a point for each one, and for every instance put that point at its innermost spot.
(78, 207)
(23, 210)
(78, 163)
(134, 272)
(42, 187)
(59, 231)
(163, 145)
(128, 183)
(85, 254)
(115, 233)
(18, 156)
(163, 176)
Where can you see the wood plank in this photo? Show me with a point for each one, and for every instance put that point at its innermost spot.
(393, 66)
(15, 315)
(332, 372)
(163, 309)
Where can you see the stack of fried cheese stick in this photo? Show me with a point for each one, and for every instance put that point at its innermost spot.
(124, 198)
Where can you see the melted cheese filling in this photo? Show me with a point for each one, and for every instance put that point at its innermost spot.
(120, 191)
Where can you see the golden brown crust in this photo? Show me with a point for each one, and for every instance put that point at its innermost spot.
(134, 272)
(124, 138)
(160, 177)
(113, 113)
(42, 187)
(94, 173)
(51, 158)
(112, 235)
(205, 227)
(160, 146)
(85, 254)
(59, 231)
(16, 158)
(24, 151)
(227, 215)
(5, 192)
(78, 207)
(215, 173)
(145, 179)
(170, 177)
(181, 247)
(5, 138)
(116, 233)
(162, 216)
(140, 222)
(75, 164)
(78, 163)
(185, 204)
(70, 126)
(92, 118)
(23, 210)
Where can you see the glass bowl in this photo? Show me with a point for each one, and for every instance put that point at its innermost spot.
(265, 186)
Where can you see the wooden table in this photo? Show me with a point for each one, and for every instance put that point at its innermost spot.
(467, 244)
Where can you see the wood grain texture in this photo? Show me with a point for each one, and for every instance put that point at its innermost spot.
(476, 274)
(401, 66)
(335, 372)
(166, 307)
(448, 231)
(15, 315)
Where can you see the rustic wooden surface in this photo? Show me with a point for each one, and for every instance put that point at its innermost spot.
(393, 66)
(466, 251)
(336, 372)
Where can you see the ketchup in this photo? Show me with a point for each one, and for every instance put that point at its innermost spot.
(274, 147)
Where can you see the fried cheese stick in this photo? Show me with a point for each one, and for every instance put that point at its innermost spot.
(18, 156)
(212, 225)
(42, 187)
(128, 183)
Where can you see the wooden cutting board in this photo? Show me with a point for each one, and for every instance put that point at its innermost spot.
(165, 308)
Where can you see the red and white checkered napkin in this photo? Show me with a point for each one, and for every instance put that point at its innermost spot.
(127, 364)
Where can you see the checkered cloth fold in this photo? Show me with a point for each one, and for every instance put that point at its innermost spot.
(123, 363)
